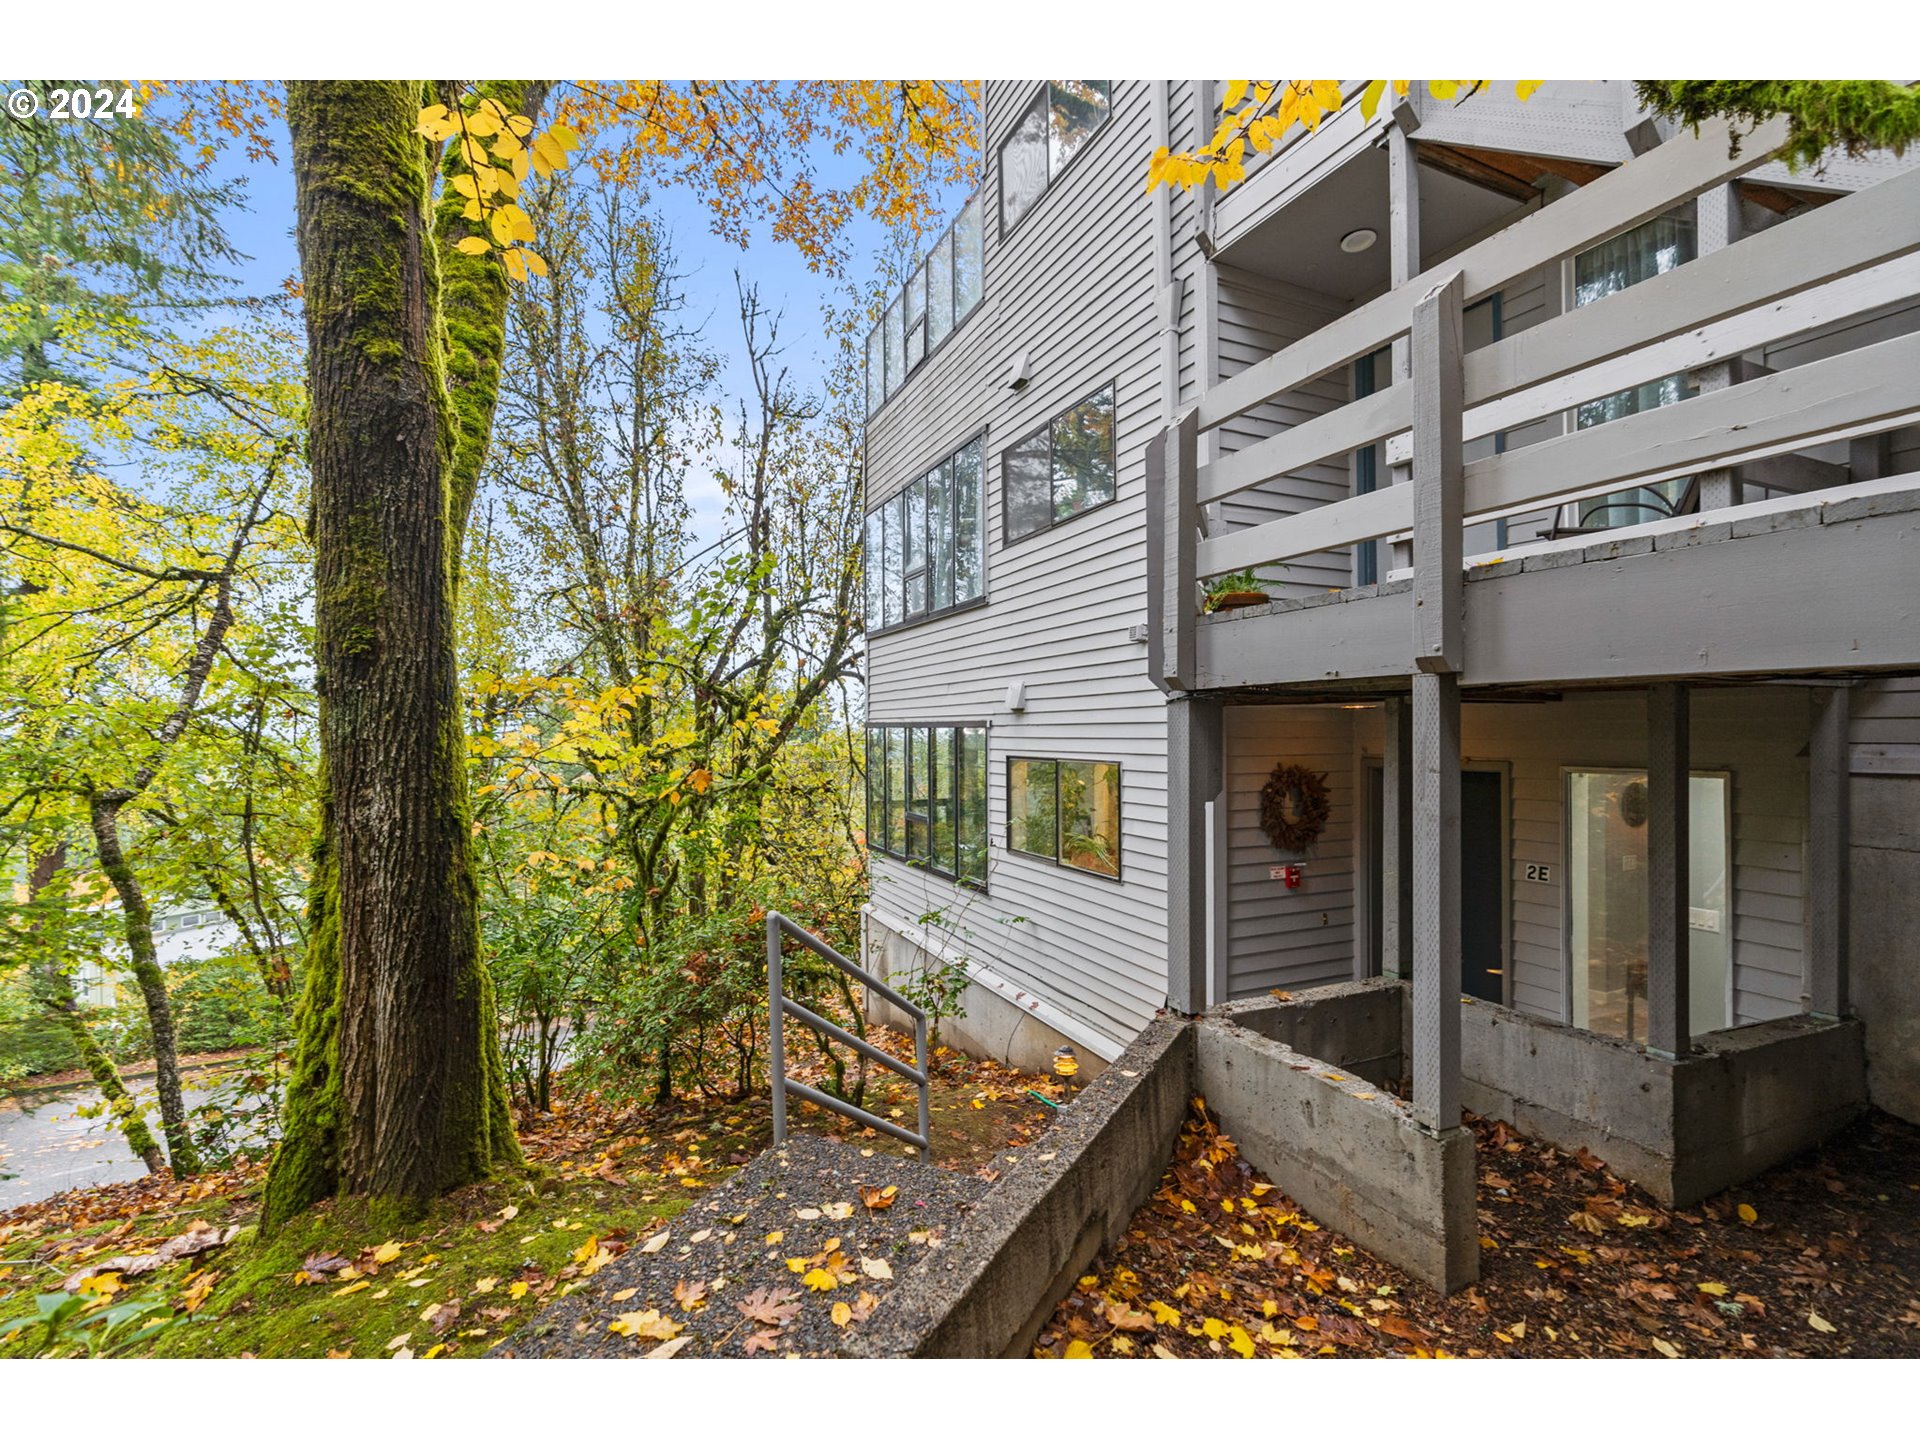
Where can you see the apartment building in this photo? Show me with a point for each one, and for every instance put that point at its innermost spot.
(1474, 556)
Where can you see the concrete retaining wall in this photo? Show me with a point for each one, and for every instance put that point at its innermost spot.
(988, 1290)
(1681, 1130)
(1348, 1152)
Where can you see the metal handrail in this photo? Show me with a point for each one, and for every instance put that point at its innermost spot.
(779, 1006)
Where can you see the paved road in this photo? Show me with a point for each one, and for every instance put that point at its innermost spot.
(46, 1148)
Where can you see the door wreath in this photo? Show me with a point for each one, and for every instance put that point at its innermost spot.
(1294, 806)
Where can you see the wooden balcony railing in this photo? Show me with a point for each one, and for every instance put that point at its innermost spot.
(1765, 288)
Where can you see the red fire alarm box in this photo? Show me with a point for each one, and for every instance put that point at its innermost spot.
(1291, 874)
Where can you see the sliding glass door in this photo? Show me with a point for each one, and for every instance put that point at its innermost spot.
(1607, 902)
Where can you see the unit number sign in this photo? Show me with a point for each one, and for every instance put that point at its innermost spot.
(1542, 873)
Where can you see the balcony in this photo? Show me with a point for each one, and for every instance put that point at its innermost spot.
(1820, 579)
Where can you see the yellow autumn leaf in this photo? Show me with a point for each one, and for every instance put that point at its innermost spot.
(351, 1289)
(548, 156)
(1163, 1314)
(483, 122)
(700, 779)
(569, 138)
(1820, 1322)
(472, 245)
(1370, 98)
(1079, 1350)
(821, 1280)
(774, 1237)
(1712, 1287)
(1240, 1342)
(516, 263)
(387, 1253)
(1747, 1213)
(1523, 89)
(842, 1313)
(517, 1289)
(646, 1325)
(586, 1250)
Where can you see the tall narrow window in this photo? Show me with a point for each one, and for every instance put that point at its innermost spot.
(896, 351)
(876, 368)
(936, 298)
(940, 291)
(968, 260)
(930, 553)
(1023, 165)
(1075, 109)
(1062, 469)
(1066, 811)
(927, 797)
(917, 318)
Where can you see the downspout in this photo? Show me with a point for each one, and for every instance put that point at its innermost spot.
(1166, 292)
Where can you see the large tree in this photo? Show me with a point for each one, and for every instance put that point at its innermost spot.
(397, 1088)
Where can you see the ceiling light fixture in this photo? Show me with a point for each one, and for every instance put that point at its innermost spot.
(1355, 241)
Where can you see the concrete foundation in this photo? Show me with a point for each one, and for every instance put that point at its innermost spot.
(1884, 910)
(990, 1288)
(1680, 1129)
(1296, 1083)
(990, 1026)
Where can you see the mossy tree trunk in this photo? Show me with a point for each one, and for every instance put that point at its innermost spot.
(55, 989)
(398, 1089)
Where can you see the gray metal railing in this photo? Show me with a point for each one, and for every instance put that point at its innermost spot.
(779, 1006)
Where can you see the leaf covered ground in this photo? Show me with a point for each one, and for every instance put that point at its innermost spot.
(1819, 1257)
(352, 1280)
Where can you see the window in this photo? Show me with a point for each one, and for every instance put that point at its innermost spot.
(929, 307)
(927, 797)
(1607, 913)
(1053, 129)
(1063, 468)
(1066, 811)
(1664, 243)
(924, 546)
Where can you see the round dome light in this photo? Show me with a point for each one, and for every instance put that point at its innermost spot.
(1355, 241)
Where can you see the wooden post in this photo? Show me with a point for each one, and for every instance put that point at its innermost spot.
(1438, 657)
(1396, 842)
(1178, 579)
(1403, 261)
(1828, 838)
(1195, 741)
(1435, 1060)
(1669, 1022)
(1717, 225)
(1438, 506)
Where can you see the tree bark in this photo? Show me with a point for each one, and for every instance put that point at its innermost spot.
(398, 1089)
(57, 996)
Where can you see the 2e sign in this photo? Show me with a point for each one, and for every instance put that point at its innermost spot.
(1542, 873)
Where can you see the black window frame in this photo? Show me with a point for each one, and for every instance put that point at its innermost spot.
(1055, 521)
(878, 837)
(1057, 859)
(926, 567)
(1042, 100)
(898, 295)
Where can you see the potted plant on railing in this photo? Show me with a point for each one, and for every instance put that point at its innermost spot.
(1234, 592)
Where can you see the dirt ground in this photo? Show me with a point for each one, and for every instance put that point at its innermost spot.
(1818, 1258)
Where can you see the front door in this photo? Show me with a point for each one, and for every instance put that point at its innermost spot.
(1483, 962)
(1482, 874)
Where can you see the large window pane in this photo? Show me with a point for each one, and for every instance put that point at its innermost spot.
(1032, 809)
(1083, 456)
(1607, 902)
(875, 570)
(972, 828)
(919, 776)
(1029, 486)
(967, 259)
(876, 368)
(1077, 108)
(1023, 165)
(876, 787)
(896, 353)
(940, 806)
(940, 291)
(969, 526)
(1090, 815)
(939, 537)
(896, 789)
(890, 563)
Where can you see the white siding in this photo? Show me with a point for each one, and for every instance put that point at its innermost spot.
(1073, 287)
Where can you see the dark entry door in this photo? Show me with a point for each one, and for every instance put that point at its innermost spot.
(1482, 948)
(1482, 955)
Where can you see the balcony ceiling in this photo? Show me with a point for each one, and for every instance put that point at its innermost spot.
(1301, 243)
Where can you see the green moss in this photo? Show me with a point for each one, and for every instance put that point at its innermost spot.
(255, 1308)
